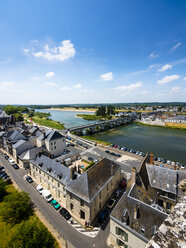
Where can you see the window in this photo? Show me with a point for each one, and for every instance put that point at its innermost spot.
(58, 185)
(168, 205)
(107, 187)
(52, 180)
(58, 193)
(82, 203)
(121, 233)
(71, 206)
(54, 147)
(36, 169)
(51, 143)
(71, 198)
(54, 142)
(99, 205)
(39, 172)
(138, 213)
(121, 243)
(48, 178)
(82, 214)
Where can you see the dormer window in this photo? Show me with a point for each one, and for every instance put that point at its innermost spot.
(49, 169)
(143, 230)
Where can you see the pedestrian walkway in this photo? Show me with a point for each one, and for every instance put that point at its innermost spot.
(92, 233)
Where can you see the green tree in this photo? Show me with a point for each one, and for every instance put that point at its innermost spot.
(110, 110)
(32, 235)
(2, 189)
(16, 207)
(179, 108)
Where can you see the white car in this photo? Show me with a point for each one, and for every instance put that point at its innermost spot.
(173, 163)
(39, 189)
(11, 161)
(168, 162)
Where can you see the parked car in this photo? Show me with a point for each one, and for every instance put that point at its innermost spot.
(103, 215)
(115, 146)
(117, 155)
(15, 166)
(2, 174)
(29, 179)
(111, 203)
(164, 161)
(173, 163)
(141, 153)
(39, 189)
(168, 162)
(159, 159)
(5, 176)
(55, 204)
(6, 156)
(107, 151)
(131, 150)
(117, 193)
(155, 158)
(161, 165)
(123, 183)
(91, 159)
(182, 166)
(65, 213)
(47, 195)
(144, 154)
(2, 168)
(137, 153)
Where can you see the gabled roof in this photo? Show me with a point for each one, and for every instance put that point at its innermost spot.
(31, 154)
(45, 163)
(13, 137)
(44, 135)
(19, 143)
(90, 183)
(54, 135)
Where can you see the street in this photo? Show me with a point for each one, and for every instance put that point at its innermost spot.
(77, 239)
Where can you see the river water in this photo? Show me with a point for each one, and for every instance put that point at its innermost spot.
(163, 142)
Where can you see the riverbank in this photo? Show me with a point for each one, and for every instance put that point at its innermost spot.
(172, 125)
(48, 123)
(101, 142)
(93, 117)
(73, 109)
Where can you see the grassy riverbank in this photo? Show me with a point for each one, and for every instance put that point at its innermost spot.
(181, 126)
(101, 142)
(8, 230)
(94, 117)
(47, 122)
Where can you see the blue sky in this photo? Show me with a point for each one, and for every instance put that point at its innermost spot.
(61, 52)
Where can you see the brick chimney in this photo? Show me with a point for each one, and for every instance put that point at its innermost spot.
(151, 158)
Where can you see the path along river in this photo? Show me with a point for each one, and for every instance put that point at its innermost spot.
(163, 142)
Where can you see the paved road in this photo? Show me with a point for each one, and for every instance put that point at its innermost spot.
(77, 239)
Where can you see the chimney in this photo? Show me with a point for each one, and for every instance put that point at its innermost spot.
(151, 158)
(72, 173)
(133, 175)
(112, 170)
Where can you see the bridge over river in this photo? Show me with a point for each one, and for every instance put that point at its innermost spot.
(101, 125)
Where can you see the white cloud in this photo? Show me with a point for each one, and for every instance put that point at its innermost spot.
(50, 74)
(107, 76)
(165, 67)
(77, 86)
(168, 79)
(153, 55)
(175, 89)
(184, 78)
(144, 92)
(50, 84)
(65, 88)
(178, 44)
(6, 85)
(26, 50)
(129, 87)
(60, 53)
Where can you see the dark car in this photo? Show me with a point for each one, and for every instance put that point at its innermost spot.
(107, 151)
(155, 158)
(2, 168)
(144, 154)
(2, 174)
(90, 158)
(6, 156)
(164, 161)
(29, 179)
(65, 213)
(103, 215)
(15, 166)
(5, 176)
(117, 154)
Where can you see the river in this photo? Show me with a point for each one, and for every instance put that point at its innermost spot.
(164, 142)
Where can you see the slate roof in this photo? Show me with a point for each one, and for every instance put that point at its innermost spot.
(89, 184)
(150, 218)
(56, 168)
(12, 137)
(19, 143)
(31, 154)
(54, 135)
(164, 178)
(43, 137)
